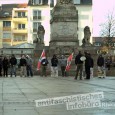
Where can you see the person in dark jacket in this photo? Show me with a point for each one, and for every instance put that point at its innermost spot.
(101, 66)
(54, 66)
(13, 62)
(79, 65)
(92, 65)
(44, 64)
(1, 64)
(5, 66)
(108, 62)
(88, 65)
(23, 64)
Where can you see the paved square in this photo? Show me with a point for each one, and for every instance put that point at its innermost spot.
(18, 95)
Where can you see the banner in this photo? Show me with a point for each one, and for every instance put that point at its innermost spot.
(69, 60)
(43, 55)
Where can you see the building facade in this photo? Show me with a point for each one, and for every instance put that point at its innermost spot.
(19, 22)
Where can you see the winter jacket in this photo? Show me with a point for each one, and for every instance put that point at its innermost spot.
(77, 59)
(13, 61)
(54, 62)
(100, 61)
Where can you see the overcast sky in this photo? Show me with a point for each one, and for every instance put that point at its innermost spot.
(100, 10)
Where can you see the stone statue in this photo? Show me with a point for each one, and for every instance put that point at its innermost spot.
(86, 39)
(40, 35)
(65, 1)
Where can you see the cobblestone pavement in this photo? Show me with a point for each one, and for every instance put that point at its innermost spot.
(18, 95)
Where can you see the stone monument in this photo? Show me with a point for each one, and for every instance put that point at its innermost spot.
(39, 46)
(86, 39)
(39, 41)
(64, 24)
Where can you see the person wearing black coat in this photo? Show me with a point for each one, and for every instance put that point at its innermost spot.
(13, 62)
(101, 66)
(54, 66)
(79, 65)
(88, 64)
(5, 66)
(1, 64)
(23, 64)
(44, 64)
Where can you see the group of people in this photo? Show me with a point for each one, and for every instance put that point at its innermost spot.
(55, 63)
(8, 66)
(85, 63)
(85, 60)
(84, 66)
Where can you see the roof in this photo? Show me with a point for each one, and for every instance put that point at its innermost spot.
(6, 9)
(23, 45)
(86, 2)
(31, 3)
(101, 39)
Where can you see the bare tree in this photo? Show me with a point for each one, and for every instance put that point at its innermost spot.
(108, 28)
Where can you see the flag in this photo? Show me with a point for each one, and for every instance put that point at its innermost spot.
(69, 60)
(43, 55)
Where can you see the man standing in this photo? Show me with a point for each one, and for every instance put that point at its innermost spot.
(44, 64)
(79, 65)
(29, 66)
(101, 68)
(88, 65)
(54, 66)
(13, 62)
(23, 64)
(63, 63)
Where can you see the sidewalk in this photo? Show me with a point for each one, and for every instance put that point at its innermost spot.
(18, 95)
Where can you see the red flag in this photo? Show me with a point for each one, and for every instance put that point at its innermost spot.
(43, 55)
(69, 60)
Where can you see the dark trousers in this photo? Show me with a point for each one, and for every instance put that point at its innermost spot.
(79, 69)
(43, 72)
(5, 71)
(0, 71)
(63, 71)
(87, 70)
(29, 70)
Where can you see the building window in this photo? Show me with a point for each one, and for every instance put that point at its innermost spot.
(97, 44)
(76, 1)
(6, 35)
(34, 36)
(21, 14)
(6, 23)
(21, 26)
(35, 26)
(37, 1)
(36, 14)
(51, 3)
(20, 38)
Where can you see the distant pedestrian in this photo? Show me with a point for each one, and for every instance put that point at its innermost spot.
(108, 62)
(44, 64)
(29, 66)
(13, 62)
(5, 66)
(88, 65)
(54, 66)
(79, 65)
(23, 64)
(101, 66)
(92, 65)
(63, 63)
(1, 64)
